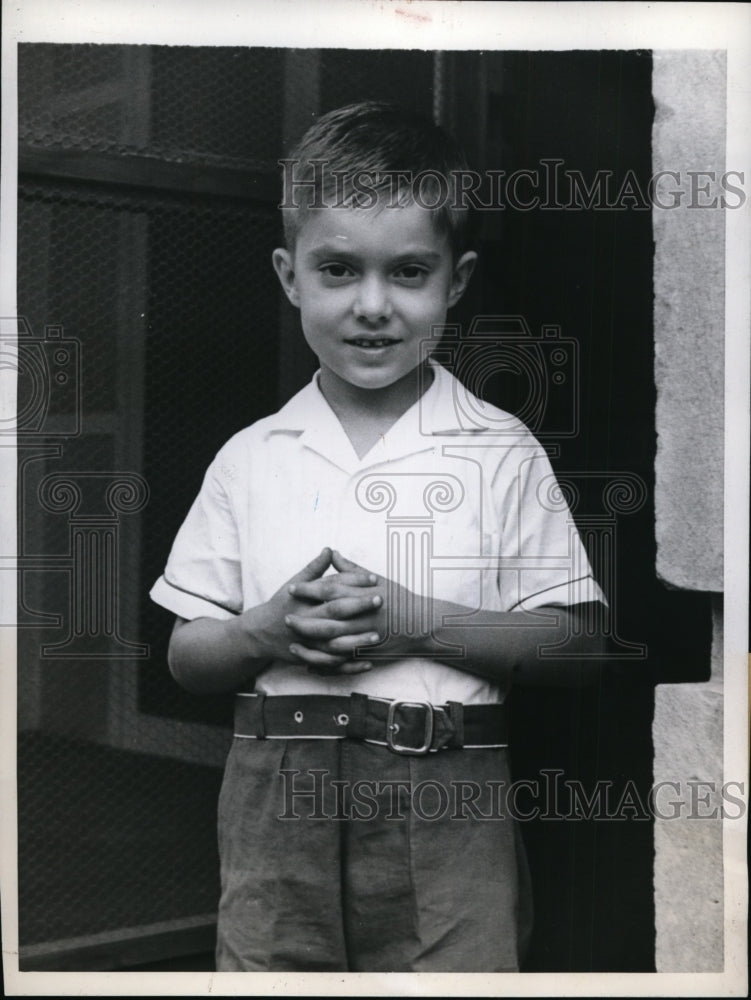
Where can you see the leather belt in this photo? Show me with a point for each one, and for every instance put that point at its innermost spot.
(405, 727)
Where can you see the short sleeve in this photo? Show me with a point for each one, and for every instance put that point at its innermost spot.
(543, 560)
(202, 578)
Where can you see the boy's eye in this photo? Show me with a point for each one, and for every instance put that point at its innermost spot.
(335, 271)
(412, 274)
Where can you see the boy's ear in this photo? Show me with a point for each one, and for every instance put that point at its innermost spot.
(285, 268)
(462, 273)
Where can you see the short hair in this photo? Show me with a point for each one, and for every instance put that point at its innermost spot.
(352, 155)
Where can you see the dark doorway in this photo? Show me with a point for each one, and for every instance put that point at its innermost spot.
(577, 263)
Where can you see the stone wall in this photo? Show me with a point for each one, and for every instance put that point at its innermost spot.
(689, 135)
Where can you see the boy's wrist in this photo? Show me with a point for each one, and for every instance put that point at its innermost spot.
(416, 641)
(251, 634)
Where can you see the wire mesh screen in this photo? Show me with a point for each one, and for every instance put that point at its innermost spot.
(109, 862)
(213, 106)
(149, 334)
(148, 359)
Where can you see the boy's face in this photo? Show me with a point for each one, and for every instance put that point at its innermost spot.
(370, 284)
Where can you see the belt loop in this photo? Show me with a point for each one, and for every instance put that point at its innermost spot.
(260, 721)
(358, 706)
(456, 715)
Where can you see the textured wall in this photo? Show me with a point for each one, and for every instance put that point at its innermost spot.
(688, 868)
(689, 134)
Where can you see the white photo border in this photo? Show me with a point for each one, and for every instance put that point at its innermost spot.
(422, 24)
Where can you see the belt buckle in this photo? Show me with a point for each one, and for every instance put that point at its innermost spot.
(392, 728)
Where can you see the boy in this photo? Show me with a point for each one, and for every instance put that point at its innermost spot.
(361, 568)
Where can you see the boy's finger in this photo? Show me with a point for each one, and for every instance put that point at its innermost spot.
(320, 629)
(328, 588)
(316, 567)
(308, 590)
(346, 643)
(315, 657)
(354, 667)
(355, 578)
(345, 565)
(344, 608)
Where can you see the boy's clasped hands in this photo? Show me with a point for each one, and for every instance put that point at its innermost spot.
(326, 618)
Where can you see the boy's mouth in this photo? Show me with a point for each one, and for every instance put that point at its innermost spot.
(372, 343)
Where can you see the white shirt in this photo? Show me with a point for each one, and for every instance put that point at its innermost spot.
(457, 496)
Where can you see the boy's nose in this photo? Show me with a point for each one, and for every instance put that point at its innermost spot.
(372, 302)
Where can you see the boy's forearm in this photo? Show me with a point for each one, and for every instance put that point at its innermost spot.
(501, 646)
(208, 656)
(504, 646)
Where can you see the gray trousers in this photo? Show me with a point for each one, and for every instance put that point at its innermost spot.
(339, 855)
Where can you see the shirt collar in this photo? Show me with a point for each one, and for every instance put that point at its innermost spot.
(448, 407)
(296, 414)
(442, 409)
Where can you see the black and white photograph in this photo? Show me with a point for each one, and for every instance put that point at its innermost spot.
(375, 470)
